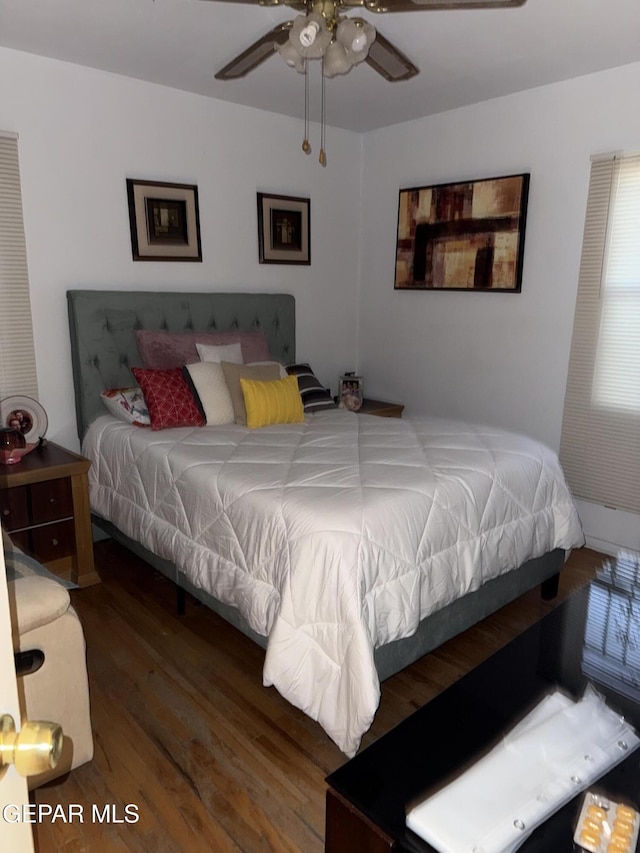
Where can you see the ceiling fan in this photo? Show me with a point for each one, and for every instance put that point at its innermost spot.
(322, 31)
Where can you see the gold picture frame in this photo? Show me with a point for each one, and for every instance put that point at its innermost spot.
(164, 221)
(284, 234)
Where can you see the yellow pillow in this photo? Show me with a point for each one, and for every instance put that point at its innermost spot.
(275, 402)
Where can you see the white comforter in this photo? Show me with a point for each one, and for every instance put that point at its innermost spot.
(333, 536)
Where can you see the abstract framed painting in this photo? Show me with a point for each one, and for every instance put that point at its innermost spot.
(465, 236)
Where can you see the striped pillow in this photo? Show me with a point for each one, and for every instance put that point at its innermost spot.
(315, 398)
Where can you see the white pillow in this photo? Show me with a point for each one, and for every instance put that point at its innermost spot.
(211, 387)
(127, 404)
(224, 352)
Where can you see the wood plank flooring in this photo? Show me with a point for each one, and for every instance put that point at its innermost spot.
(185, 731)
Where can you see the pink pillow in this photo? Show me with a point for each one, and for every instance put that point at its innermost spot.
(168, 397)
(163, 350)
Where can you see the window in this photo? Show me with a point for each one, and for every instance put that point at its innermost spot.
(617, 376)
(611, 651)
(17, 357)
(600, 444)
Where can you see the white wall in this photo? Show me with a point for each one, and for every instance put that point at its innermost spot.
(82, 132)
(495, 358)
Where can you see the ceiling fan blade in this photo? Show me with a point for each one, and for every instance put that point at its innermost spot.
(300, 5)
(422, 5)
(387, 60)
(256, 53)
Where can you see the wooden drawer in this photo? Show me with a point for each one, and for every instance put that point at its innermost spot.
(44, 506)
(51, 501)
(14, 508)
(53, 541)
(22, 541)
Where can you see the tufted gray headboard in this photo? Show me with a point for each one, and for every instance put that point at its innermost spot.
(103, 323)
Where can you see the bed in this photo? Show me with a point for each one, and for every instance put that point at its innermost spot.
(347, 546)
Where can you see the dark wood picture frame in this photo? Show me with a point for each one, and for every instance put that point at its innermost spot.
(284, 231)
(465, 236)
(164, 220)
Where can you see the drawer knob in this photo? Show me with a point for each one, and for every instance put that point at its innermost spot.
(6, 512)
(53, 500)
(55, 542)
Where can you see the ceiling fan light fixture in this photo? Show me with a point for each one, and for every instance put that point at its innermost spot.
(336, 61)
(310, 35)
(291, 56)
(356, 36)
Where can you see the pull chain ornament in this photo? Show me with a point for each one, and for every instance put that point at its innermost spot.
(305, 143)
(322, 159)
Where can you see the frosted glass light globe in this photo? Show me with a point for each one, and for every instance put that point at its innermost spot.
(359, 42)
(356, 36)
(336, 61)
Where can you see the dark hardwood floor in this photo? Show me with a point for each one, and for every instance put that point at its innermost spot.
(185, 731)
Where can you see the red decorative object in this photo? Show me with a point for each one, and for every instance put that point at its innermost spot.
(13, 446)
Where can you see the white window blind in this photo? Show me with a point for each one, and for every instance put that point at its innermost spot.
(600, 444)
(17, 357)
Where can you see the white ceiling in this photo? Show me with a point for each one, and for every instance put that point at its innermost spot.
(464, 56)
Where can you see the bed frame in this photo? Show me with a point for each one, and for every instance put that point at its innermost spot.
(103, 350)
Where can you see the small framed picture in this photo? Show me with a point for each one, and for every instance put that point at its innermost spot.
(350, 392)
(283, 229)
(164, 221)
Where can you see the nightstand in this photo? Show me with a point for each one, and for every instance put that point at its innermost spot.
(44, 507)
(381, 409)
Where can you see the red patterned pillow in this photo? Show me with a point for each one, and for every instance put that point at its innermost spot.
(168, 397)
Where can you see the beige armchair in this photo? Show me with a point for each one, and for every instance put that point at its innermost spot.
(57, 689)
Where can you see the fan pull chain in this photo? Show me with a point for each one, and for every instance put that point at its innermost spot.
(322, 159)
(305, 144)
